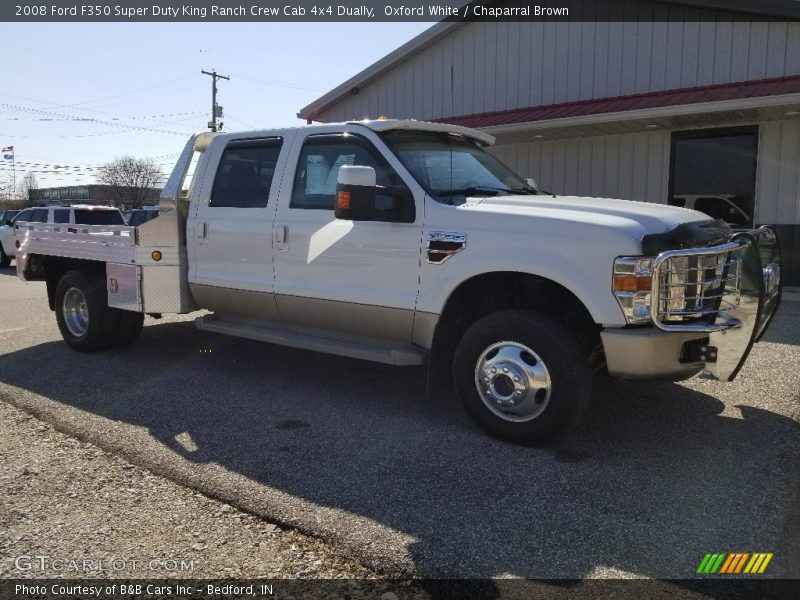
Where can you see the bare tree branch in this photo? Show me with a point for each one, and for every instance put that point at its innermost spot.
(26, 186)
(131, 180)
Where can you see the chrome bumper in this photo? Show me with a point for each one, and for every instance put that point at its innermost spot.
(728, 292)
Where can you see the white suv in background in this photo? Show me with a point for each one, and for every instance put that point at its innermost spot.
(77, 214)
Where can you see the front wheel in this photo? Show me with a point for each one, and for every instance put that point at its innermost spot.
(522, 376)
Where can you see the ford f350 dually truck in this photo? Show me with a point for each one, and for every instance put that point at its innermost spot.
(407, 243)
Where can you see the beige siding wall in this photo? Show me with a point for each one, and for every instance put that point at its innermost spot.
(635, 166)
(631, 166)
(483, 67)
(778, 179)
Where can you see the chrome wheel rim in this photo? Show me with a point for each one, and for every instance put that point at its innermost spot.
(75, 312)
(513, 381)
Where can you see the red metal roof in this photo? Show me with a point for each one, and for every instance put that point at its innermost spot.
(683, 96)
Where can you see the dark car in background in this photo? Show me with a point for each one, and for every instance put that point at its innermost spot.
(137, 216)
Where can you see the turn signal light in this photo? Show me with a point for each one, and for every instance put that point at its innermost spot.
(343, 200)
(632, 283)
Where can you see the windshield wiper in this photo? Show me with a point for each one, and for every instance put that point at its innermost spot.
(479, 190)
(525, 190)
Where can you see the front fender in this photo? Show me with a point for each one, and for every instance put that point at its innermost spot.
(580, 266)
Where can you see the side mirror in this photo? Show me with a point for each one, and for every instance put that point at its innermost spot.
(358, 198)
(532, 183)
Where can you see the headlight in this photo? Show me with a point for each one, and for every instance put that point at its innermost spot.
(633, 279)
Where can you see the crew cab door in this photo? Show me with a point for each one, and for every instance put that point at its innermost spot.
(353, 277)
(230, 234)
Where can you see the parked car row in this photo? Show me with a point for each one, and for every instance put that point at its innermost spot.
(78, 214)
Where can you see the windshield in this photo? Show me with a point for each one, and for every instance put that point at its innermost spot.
(449, 166)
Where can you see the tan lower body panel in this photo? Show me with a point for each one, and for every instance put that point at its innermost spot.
(377, 322)
(244, 304)
(347, 317)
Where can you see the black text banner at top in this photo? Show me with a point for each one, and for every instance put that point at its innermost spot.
(401, 10)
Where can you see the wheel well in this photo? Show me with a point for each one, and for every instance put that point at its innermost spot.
(51, 268)
(487, 293)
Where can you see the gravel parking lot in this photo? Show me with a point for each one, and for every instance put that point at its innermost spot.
(357, 455)
(70, 501)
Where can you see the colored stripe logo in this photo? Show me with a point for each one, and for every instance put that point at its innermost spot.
(734, 563)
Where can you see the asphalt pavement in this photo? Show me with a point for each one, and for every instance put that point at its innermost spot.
(359, 455)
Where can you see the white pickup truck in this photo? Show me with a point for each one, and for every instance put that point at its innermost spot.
(406, 243)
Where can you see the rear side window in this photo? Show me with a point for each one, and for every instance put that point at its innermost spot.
(319, 163)
(61, 215)
(141, 216)
(245, 172)
(85, 216)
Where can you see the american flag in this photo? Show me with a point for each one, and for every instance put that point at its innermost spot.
(8, 153)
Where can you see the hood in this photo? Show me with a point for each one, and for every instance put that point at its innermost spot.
(636, 218)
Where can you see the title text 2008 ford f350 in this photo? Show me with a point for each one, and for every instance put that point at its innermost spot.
(407, 243)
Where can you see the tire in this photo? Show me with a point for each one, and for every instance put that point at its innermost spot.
(84, 319)
(129, 326)
(5, 259)
(541, 384)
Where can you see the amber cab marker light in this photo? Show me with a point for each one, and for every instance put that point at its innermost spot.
(156, 255)
(343, 200)
(631, 283)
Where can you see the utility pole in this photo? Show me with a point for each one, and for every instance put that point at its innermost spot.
(216, 111)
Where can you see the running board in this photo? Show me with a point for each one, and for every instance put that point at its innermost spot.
(317, 340)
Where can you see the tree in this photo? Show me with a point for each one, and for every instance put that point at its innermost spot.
(26, 186)
(7, 199)
(132, 182)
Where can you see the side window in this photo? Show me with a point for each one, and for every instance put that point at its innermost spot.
(61, 215)
(719, 208)
(87, 216)
(245, 172)
(678, 202)
(318, 168)
(25, 215)
(39, 215)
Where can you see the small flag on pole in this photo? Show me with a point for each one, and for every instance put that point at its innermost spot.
(8, 153)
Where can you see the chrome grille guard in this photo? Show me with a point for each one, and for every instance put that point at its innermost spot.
(730, 291)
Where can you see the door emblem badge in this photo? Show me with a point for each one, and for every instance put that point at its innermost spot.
(444, 244)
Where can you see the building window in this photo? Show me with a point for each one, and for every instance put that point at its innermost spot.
(714, 171)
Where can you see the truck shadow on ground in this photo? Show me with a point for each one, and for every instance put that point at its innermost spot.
(653, 480)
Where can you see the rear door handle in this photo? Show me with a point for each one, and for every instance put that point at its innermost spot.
(282, 237)
(202, 232)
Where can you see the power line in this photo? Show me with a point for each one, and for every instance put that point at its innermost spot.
(134, 91)
(292, 86)
(92, 120)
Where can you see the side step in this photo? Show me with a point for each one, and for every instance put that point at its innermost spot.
(317, 340)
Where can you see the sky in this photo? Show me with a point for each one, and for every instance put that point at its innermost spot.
(78, 95)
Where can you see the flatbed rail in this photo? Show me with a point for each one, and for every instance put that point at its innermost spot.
(107, 243)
